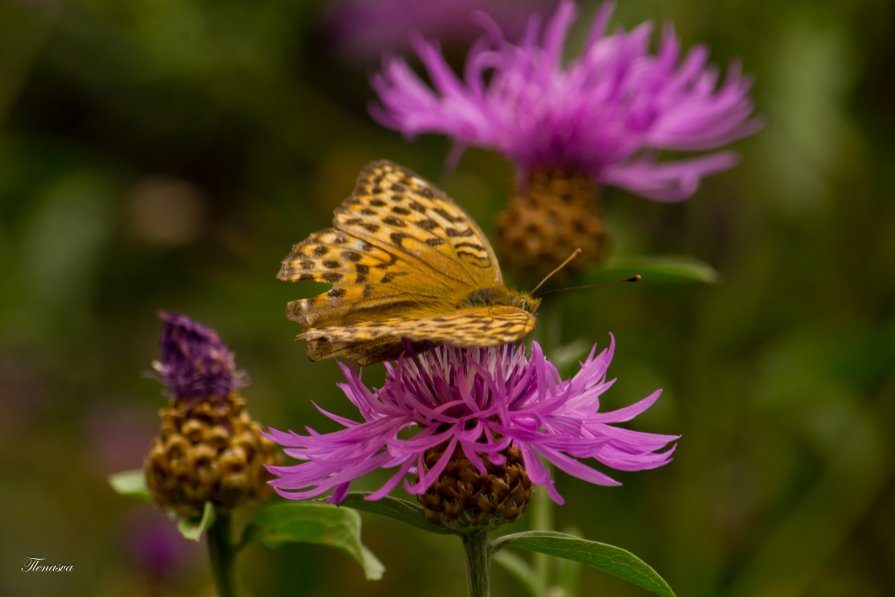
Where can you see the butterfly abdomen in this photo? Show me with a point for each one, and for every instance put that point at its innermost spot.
(500, 295)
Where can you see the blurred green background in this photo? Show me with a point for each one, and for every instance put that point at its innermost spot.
(166, 154)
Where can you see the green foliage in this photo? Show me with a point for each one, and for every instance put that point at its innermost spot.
(131, 484)
(320, 524)
(395, 508)
(193, 528)
(664, 269)
(608, 558)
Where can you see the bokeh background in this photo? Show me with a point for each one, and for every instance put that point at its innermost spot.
(166, 154)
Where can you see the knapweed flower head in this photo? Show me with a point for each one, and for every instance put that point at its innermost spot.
(490, 407)
(195, 364)
(208, 449)
(606, 113)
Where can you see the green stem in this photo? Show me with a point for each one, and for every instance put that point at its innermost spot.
(221, 554)
(478, 563)
(542, 507)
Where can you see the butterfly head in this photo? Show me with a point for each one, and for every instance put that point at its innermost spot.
(525, 301)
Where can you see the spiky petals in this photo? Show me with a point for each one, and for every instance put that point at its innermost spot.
(480, 401)
(606, 113)
(195, 364)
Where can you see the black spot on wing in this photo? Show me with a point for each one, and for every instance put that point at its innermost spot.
(398, 237)
(448, 216)
(393, 221)
(454, 233)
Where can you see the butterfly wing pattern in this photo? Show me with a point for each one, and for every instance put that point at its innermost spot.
(405, 262)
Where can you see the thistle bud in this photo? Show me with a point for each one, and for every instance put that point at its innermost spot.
(209, 449)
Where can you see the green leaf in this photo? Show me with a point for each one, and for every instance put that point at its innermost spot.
(608, 558)
(520, 569)
(131, 484)
(659, 268)
(400, 510)
(320, 524)
(193, 528)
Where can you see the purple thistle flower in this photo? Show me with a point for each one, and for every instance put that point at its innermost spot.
(481, 401)
(606, 113)
(195, 364)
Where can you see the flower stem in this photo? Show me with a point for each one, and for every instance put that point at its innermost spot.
(542, 507)
(542, 520)
(478, 563)
(221, 555)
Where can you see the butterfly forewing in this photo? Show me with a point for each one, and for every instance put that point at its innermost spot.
(363, 276)
(400, 212)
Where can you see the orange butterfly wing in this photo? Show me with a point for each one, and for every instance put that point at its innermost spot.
(402, 257)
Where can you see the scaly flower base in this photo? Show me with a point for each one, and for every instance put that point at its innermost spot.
(212, 452)
(464, 499)
(556, 214)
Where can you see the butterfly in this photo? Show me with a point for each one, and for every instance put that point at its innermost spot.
(406, 264)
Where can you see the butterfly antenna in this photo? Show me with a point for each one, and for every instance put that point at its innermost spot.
(635, 278)
(574, 254)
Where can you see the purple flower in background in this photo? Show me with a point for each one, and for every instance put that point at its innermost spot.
(156, 546)
(363, 29)
(481, 401)
(606, 113)
(195, 363)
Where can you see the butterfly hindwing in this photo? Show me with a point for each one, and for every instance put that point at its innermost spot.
(470, 326)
